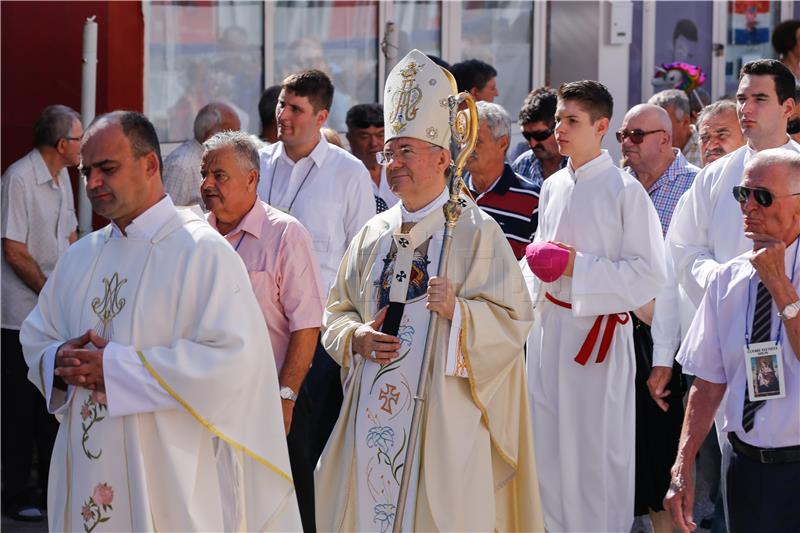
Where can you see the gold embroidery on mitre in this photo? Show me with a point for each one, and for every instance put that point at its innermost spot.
(109, 306)
(406, 100)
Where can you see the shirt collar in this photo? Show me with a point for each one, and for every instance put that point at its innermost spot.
(317, 155)
(146, 225)
(418, 215)
(252, 222)
(591, 168)
(40, 168)
(749, 151)
(675, 169)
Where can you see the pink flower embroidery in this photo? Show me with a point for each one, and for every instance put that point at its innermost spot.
(86, 511)
(103, 494)
(99, 397)
(85, 412)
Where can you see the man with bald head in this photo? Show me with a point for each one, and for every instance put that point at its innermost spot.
(149, 342)
(182, 166)
(648, 153)
(744, 349)
(719, 131)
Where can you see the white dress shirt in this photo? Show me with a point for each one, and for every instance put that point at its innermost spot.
(714, 351)
(328, 191)
(182, 174)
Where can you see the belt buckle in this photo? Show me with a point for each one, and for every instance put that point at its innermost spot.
(766, 458)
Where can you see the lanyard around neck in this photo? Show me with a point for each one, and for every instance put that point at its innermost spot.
(749, 291)
(272, 182)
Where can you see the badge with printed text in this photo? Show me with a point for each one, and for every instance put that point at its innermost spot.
(764, 365)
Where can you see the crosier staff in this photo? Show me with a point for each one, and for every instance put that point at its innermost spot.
(464, 135)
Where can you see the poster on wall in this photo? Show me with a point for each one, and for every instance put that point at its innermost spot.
(750, 22)
(683, 34)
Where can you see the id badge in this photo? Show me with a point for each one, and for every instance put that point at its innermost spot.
(764, 365)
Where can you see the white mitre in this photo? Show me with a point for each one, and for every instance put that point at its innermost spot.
(415, 101)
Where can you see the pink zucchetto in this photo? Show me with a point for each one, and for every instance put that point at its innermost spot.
(547, 260)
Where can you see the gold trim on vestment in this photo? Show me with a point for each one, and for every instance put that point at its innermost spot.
(471, 379)
(209, 426)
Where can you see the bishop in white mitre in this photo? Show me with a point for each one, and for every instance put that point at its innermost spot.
(473, 467)
(169, 410)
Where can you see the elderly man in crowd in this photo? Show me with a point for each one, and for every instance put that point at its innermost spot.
(328, 190)
(537, 121)
(38, 225)
(276, 250)
(182, 167)
(365, 135)
(718, 129)
(751, 306)
(148, 340)
(477, 78)
(474, 468)
(648, 154)
(684, 135)
(509, 199)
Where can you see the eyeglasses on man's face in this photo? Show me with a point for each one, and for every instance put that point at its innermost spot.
(404, 154)
(636, 136)
(762, 197)
(540, 135)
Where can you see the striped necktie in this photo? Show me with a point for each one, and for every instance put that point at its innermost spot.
(762, 325)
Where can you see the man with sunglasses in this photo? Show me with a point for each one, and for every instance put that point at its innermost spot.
(749, 315)
(648, 155)
(537, 119)
(365, 135)
(38, 225)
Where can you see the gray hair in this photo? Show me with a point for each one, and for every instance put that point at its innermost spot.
(210, 120)
(715, 109)
(777, 156)
(54, 124)
(672, 98)
(497, 118)
(242, 144)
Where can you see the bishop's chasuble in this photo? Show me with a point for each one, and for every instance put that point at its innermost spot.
(206, 450)
(474, 467)
(581, 364)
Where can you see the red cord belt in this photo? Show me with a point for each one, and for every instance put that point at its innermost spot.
(591, 339)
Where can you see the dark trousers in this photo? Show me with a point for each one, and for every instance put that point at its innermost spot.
(762, 497)
(26, 426)
(325, 387)
(300, 459)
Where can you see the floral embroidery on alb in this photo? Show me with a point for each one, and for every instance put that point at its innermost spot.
(95, 509)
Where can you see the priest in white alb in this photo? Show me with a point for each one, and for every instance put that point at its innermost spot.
(149, 345)
(474, 468)
(605, 234)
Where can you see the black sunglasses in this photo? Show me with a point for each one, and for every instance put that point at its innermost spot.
(364, 124)
(540, 135)
(763, 197)
(636, 136)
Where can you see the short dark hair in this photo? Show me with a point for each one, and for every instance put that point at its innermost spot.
(314, 85)
(593, 96)
(441, 62)
(539, 106)
(784, 36)
(781, 75)
(685, 28)
(54, 124)
(472, 74)
(364, 116)
(267, 104)
(138, 129)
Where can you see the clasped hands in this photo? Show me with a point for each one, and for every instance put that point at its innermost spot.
(79, 361)
(381, 348)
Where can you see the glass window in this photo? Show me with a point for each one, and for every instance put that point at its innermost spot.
(499, 33)
(749, 37)
(420, 26)
(340, 38)
(683, 34)
(200, 52)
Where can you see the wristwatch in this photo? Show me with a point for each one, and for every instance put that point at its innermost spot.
(288, 394)
(790, 311)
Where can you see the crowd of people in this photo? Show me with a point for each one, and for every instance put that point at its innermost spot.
(251, 284)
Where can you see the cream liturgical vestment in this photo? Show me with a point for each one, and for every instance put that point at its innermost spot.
(583, 400)
(475, 468)
(211, 458)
